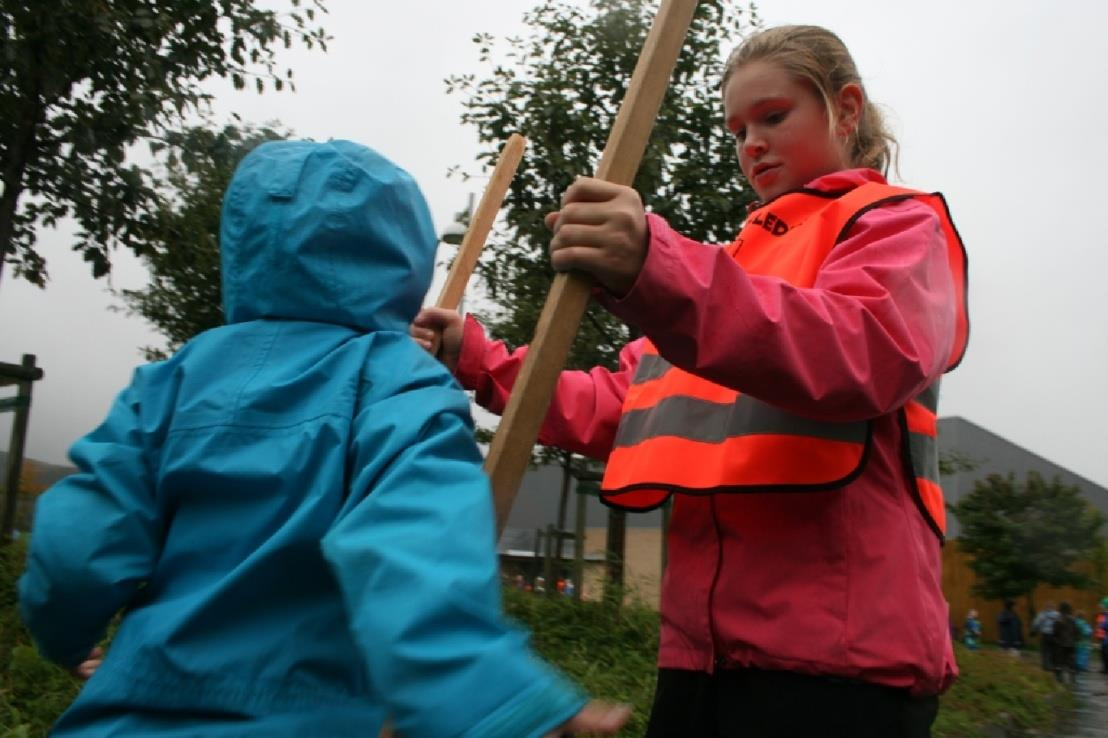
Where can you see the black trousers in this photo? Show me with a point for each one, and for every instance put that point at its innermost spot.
(751, 703)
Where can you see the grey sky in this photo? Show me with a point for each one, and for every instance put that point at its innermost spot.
(1001, 106)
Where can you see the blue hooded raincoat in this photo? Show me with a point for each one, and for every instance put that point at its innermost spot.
(291, 511)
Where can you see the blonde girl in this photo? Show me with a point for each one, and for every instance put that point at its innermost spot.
(784, 397)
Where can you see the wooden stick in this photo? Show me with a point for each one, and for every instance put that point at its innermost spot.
(480, 225)
(481, 222)
(565, 305)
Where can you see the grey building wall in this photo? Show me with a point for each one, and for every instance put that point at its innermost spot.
(996, 455)
(536, 506)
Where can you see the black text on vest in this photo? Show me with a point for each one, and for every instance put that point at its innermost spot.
(771, 223)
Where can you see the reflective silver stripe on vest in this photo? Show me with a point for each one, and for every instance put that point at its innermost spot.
(929, 398)
(651, 366)
(923, 449)
(711, 422)
(925, 456)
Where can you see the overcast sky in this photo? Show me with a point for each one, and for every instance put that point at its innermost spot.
(1003, 106)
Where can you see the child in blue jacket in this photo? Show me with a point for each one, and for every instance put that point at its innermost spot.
(291, 511)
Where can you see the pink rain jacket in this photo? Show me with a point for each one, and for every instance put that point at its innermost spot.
(843, 583)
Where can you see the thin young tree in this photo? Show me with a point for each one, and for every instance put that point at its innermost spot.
(1025, 533)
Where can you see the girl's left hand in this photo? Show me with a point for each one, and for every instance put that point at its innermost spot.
(601, 230)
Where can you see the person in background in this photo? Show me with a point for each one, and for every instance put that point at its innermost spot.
(1043, 625)
(1100, 634)
(1084, 641)
(971, 635)
(1009, 627)
(1064, 640)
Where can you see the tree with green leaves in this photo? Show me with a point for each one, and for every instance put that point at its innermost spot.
(82, 81)
(954, 461)
(179, 239)
(1022, 534)
(561, 88)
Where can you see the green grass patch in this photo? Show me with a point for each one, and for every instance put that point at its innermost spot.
(996, 687)
(33, 692)
(611, 653)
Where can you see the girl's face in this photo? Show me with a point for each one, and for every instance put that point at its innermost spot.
(781, 127)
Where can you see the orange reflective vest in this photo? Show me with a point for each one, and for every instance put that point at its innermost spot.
(681, 433)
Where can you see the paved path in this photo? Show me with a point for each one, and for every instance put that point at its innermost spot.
(1090, 718)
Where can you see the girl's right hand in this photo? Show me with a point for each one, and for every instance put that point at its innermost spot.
(445, 325)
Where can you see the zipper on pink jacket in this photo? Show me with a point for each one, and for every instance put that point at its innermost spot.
(719, 658)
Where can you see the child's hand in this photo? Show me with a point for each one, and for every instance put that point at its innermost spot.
(88, 667)
(601, 229)
(597, 717)
(445, 325)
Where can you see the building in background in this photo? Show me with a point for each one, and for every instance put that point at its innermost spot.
(996, 455)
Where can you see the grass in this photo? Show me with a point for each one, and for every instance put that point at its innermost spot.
(997, 688)
(611, 652)
(33, 692)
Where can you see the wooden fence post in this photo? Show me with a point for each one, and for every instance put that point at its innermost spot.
(23, 375)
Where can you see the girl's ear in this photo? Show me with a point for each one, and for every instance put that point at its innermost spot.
(849, 104)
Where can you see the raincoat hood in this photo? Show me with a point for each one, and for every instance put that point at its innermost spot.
(324, 232)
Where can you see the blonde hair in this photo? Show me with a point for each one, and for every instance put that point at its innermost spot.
(818, 57)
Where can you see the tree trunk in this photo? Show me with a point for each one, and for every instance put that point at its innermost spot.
(549, 574)
(20, 153)
(616, 551)
(579, 545)
(567, 459)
